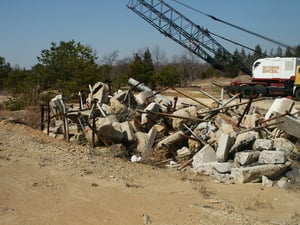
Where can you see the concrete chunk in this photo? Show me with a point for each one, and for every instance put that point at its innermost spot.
(246, 157)
(225, 124)
(177, 123)
(224, 167)
(174, 141)
(244, 141)
(224, 144)
(254, 174)
(110, 132)
(290, 125)
(145, 141)
(266, 182)
(128, 133)
(285, 145)
(263, 144)
(280, 106)
(147, 119)
(273, 157)
(205, 155)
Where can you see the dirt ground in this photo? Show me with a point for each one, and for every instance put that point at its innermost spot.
(48, 181)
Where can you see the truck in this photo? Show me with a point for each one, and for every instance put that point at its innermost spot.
(276, 76)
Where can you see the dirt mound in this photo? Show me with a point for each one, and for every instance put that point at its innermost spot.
(48, 181)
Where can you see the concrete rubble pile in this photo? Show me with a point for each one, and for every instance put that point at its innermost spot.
(230, 140)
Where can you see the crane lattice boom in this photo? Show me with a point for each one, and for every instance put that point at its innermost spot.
(191, 36)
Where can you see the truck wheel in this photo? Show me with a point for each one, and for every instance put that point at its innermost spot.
(261, 90)
(297, 94)
(247, 91)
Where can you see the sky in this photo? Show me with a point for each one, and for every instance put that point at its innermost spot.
(29, 26)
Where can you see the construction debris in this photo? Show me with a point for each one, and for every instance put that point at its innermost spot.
(229, 140)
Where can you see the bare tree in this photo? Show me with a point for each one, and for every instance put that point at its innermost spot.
(158, 56)
(111, 58)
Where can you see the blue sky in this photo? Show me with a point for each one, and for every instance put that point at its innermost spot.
(29, 26)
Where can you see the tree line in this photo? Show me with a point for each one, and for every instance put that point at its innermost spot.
(69, 67)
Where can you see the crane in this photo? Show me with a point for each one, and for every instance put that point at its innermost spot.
(185, 32)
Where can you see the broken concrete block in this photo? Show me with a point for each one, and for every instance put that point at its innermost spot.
(290, 125)
(272, 157)
(266, 182)
(223, 167)
(145, 141)
(263, 144)
(161, 99)
(246, 157)
(110, 132)
(280, 106)
(225, 124)
(285, 145)
(173, 141)
(249, 121)
(254, 174)
(177, 123)
(143, 97)
(244, 141)
(205, 155)
(104, 120)
(224, 144)
(126, 98)
(118, 109)
(128, 132)
(99, 92)
(148, 119)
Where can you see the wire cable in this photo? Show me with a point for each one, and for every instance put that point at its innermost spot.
(232, 25)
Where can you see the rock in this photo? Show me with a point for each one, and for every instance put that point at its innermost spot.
(263, 144)
(224, 144)
(244, 141)
(205, 155)
(246, 157)
(273, 157)
(254, 174)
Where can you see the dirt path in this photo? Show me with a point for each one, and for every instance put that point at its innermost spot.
(46, 181)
